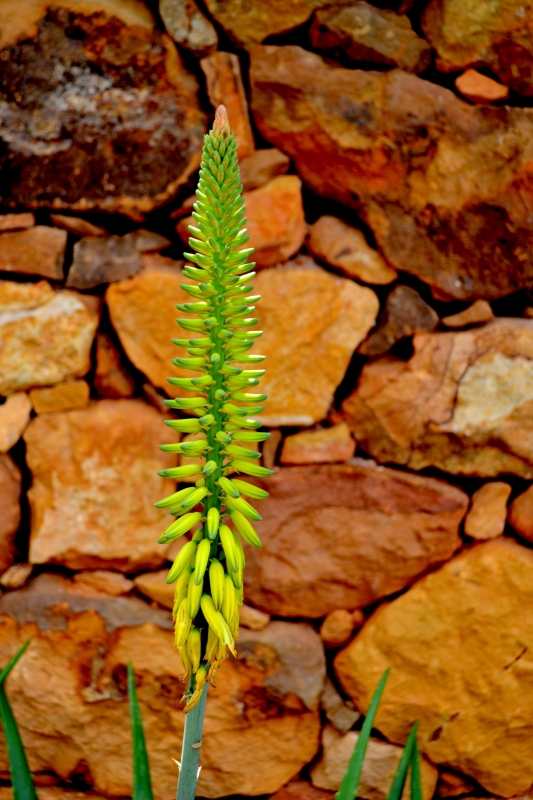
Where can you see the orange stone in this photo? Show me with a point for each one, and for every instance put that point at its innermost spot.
(276, 223)
(63, 397)
(476, 314)
(225, 86)
(17, 222)
(253, 618)
(154, 586)
(14, 416)
(488, 511)
(10, 483)
(35, 251)
(321, 446)
(111, 379)
(261, 166)
(77, 225)
(521, 514)
(339, 625)
(479, 88)
(104, 581)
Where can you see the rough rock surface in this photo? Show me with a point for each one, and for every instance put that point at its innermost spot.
(78, 668)
(94, 484)
(154, 586)
(103, 259)
(321, 446)
(417, 161)
(381, 762)
(361, 32)
(261, 166)
(225, 86)
(345, 248)
(14, 416)
(45, 337)
(10, 483)
(344, 536)
(299, 790)
(17, 222)
(188, 26)
(521, 514)
(35, 251)
(128, 142)
(473, 394)
(307, 362)
(475, 709)
(77, 225)
(111, 379)
(63, 397)
(405, 313)
(276, 224)
(252, 618)
(339, 625)
(498, 36)
(476, 314)
(341, 715)
(488, 511)
(479, 88)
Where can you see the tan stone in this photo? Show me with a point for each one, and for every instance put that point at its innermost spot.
(14, 416)
(479, 88)
(103, 259)
(339, 625)
(104, 581)
(46, 343)
(35, 251)
(301, 790)
(306, 362)
(342, 715)
(63, 397)
(143, 313)
(488, 511)
(111, 379)
(473, 394)
(75, 670)
(77, 225)
(453, 785)
(344, 247)
(94, 486)
(10, 483)
(344, 536)
(19, 296)
(413, 159)
(117, 146)
(261, 166)
(482, 34)
(17, 222)
(270, 449)
(276, 224)
(521, 514)
(252, 618)
(361, 32)
(475, 708)
(16, 576)
(320, 446)
(154, 586)
(476, 314)
(379, 768)
(405, 313)
(225, 86)
(149, 241)
(188, 26)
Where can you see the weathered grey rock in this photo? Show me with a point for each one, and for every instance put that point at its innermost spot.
(103, 259)
(188, 26)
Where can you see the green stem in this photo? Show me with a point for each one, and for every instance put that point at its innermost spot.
(190, 751)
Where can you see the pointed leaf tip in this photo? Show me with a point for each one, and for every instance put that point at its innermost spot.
(221, 123)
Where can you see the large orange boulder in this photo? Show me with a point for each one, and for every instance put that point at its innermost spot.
(473, 394)
(345, 536)
(414, 159)
(459, 647)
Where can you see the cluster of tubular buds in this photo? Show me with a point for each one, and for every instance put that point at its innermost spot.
(208, 570)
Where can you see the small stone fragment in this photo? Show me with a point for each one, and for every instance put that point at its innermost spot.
(344, 247)
(225, 86)
(453, 785)
(380, 765)
(17, 222)
(103, 259)
(320, 446)
(476, 314)
(46, 343)
(94, 484)
(104, 581)
(36, 251)
(154, 586)
(488, 511)
(14, 416)
(261, 166)
(77, 225)
(149, 241)
(63, 397)
(405, 313)
(295, 790)
(16, 576)
(306, 362)
(252, 618)
(188, 26)
(521, 514)
(339, 625)
(479, 88)
(111, 379)
(276, 224)
(341, 715)
(270, 448)
(361, 32)
(10, 483)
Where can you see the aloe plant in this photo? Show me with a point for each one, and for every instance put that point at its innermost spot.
(208, 571)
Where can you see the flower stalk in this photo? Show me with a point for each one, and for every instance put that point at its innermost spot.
(221, 411)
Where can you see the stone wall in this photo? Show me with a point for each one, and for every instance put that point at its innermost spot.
(387, 155)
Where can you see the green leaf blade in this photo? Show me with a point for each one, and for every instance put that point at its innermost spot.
(398, 785)
(142, 784)
(416, 777)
